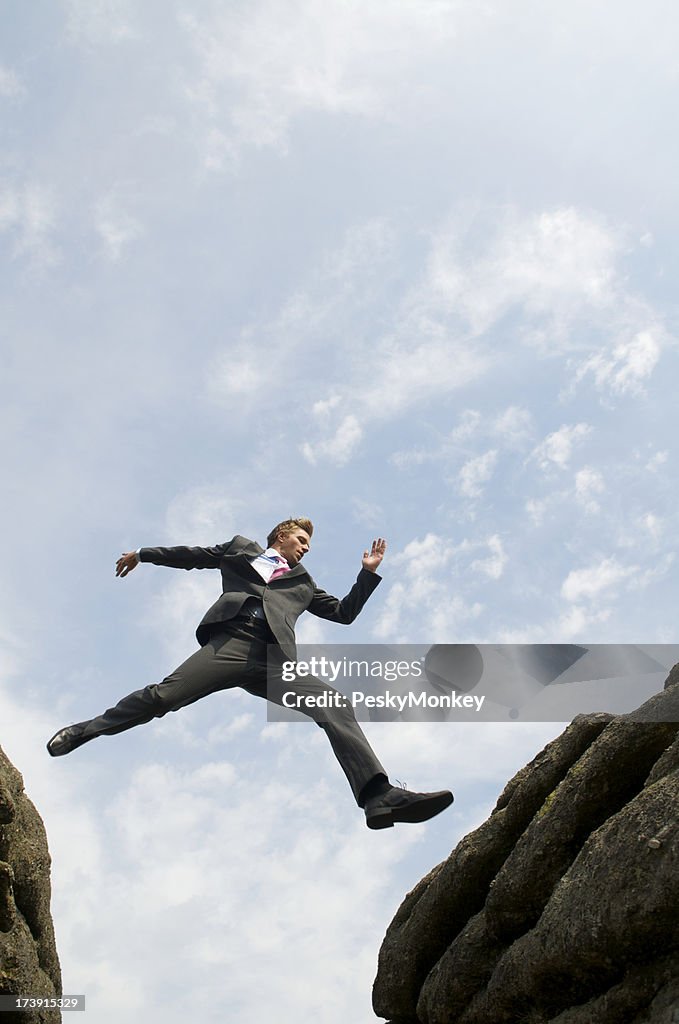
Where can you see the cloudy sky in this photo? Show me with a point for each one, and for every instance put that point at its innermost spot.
(403, 266)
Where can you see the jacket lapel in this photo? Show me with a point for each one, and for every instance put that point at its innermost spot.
(297, 570)
(241, 559)
(249, 550)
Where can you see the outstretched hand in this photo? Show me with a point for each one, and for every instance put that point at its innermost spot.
(126, 563)
(372, 558)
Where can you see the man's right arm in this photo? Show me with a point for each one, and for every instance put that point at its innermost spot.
(175, 558)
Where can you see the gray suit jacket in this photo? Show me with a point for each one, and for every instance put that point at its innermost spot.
(283, 600)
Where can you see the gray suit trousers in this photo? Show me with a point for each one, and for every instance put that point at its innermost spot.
(236, 655)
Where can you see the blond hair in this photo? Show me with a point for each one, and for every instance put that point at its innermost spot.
(288, 525)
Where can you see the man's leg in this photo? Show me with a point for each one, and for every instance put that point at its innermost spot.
(226, 661)
(383, 803)
(238, 657)
(349, 743)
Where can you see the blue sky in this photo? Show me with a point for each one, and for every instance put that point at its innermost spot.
(406, 268)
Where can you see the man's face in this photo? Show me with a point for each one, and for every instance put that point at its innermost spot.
(293, 546)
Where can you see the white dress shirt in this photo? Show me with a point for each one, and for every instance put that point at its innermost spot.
(267, 563)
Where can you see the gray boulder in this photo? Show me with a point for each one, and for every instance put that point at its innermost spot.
(29, 964)
(563, 907)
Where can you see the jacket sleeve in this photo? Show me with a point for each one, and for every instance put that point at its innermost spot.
(325, 606)
(184, 557)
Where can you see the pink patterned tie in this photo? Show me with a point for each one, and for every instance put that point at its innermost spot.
(280, 569)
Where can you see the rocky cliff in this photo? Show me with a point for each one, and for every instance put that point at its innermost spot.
(563, 907)
(29, 964)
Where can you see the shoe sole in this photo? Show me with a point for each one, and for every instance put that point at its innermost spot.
(417, 812)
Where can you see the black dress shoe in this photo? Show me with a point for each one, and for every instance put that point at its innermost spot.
(66, 740)
(402, 805)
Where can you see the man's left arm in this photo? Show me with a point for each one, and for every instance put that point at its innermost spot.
(325, 606)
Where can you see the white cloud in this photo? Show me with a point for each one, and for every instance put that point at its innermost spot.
(414, 457)
(339, 448)
(311, 630)
(29, 213)
(237, 374)
(656, 572)
(653, 524)
(514, 427)
(155, 858)
(384, 383)
(656, 461)
(96, 22)
(404, 374)
(470, 422)
(576, 623)
(200, 516)
(11, 86)
(174, 613)
(116, 228)
(368, 513)
(225, 731)
(596, 579)
(174, 856)
(477, 472)
(536, 509)
(431, 549)
(557, 448)
(442, 615)
(367, 249)
(494, 565)
(261, 67)
(204, 515)
(469, 425)
(322, 408)
(557, 269)
(428, 605)
(554, 264)
(431, 755)
(219, 151)
(559, 255)
(588, 485)
(626, 368)
(259, 361)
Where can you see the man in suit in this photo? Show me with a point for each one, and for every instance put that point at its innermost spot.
(244, 638)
